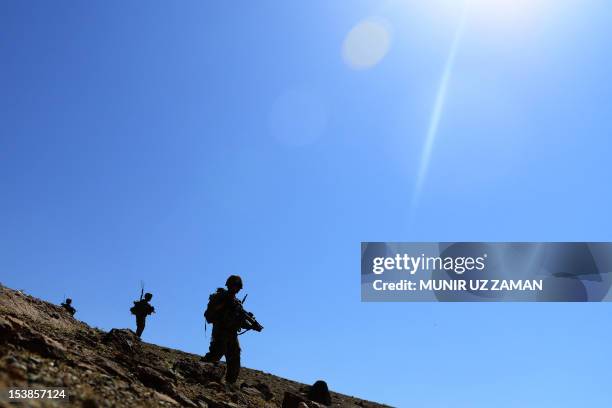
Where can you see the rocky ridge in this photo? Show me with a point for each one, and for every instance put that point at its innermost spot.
(41, 345)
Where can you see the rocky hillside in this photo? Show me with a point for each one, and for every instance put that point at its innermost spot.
(41, 345)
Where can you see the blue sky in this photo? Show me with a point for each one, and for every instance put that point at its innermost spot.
(178, 143)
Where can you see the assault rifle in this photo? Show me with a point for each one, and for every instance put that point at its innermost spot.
(246, 319)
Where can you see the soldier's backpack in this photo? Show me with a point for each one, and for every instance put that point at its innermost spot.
(141, 307)
(213, 313)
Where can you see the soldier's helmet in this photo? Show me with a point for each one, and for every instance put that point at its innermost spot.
(68, 301)
(234, 281)
(148, 296)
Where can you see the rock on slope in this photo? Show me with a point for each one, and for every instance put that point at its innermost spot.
(43, 346)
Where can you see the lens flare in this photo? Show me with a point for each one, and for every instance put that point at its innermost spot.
(366, 44)
(436, 113)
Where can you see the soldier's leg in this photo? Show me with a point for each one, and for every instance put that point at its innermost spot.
(140, 325)
(232, 358)
(216, 349)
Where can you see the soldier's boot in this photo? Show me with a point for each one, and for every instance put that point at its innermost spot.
(232, 387)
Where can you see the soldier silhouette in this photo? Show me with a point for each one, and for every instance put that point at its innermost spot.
(221, 312)
(141, 309)
(68, 306)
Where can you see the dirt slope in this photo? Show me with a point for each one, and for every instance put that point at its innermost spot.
(41, 345)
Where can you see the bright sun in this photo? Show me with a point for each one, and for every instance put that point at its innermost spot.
(502, 13)
(494, 16)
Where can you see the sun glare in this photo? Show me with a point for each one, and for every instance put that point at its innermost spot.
(495, 17)
(503, 14)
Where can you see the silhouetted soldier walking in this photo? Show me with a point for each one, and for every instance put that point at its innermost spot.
(221, 312)
(68, 306)
(141, 310)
